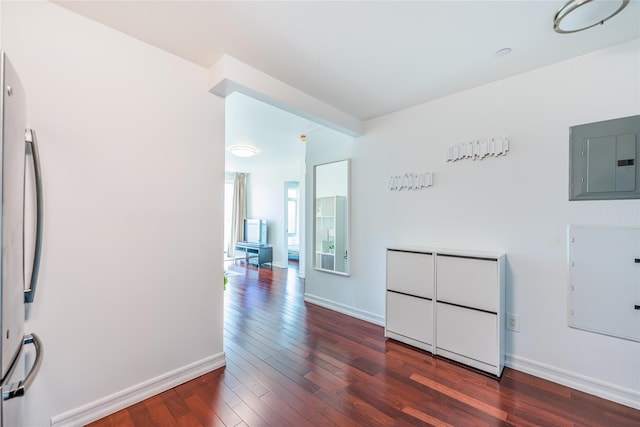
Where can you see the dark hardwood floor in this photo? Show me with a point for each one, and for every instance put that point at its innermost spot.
(296, 364)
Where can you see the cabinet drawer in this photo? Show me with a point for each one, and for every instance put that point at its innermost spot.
(410, 317)
(468, 281)
(410, 273)
(469, 333)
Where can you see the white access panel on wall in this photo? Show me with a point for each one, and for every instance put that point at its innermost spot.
(604, 280)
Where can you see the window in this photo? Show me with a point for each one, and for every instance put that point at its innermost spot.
(293, 213)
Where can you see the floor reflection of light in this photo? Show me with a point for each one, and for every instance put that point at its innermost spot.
(292, 292)
(254, 288)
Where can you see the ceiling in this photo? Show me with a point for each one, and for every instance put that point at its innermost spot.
(365, 58)
(273, 132)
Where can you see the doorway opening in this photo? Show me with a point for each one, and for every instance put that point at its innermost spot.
(292, 221)
(279, 161)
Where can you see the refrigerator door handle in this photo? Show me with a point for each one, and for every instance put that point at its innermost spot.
(30, 292)
(18, 389)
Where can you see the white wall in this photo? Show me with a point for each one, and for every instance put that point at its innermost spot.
(518, 204)
(330, 290)
(132, 149)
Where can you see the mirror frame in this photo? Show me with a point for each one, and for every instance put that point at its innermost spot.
(314, 251)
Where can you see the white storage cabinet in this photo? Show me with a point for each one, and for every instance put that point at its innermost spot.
(449, 302)
(409, 301)
(470, 307)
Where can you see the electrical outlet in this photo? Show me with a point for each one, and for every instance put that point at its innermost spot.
(513, 322)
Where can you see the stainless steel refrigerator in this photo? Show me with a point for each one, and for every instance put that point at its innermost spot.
(17, 146)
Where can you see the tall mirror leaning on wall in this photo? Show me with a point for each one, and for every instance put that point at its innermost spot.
(331, 217)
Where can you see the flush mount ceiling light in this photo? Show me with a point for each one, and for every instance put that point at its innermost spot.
(242, 150)
(578, 15)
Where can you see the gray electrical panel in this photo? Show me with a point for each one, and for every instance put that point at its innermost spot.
(603, 160)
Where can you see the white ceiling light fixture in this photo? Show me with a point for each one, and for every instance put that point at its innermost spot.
(578, 15)
(242, 150)
(503, 52)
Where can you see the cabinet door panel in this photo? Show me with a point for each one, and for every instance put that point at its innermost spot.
(410, 316)
(468, 281)
(469, 333)
(410, 273)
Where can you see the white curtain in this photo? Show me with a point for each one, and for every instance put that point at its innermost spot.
(239, 212)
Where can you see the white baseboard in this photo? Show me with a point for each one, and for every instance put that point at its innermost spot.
(108, 405)
(574, 380)
(279, 265)
(345, 309)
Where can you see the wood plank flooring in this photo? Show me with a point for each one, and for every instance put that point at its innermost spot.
(296, 364)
